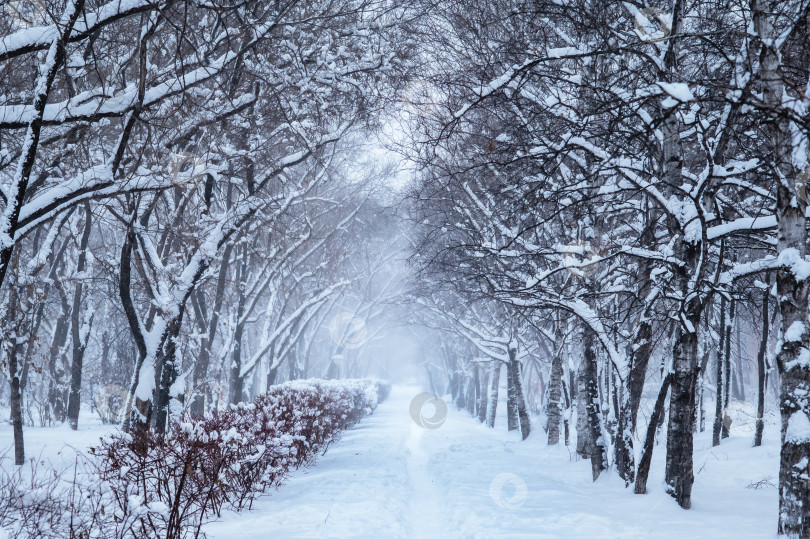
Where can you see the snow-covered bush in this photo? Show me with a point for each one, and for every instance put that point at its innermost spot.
(168, 486)
(147, 485)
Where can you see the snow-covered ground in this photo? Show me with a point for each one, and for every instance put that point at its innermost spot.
(389, 477)
(56, 447)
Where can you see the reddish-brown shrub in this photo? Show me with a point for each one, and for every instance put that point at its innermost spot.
(168, 486)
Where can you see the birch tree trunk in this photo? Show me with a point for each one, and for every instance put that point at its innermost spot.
(554, 399)
(597, 445)
(679, 462)
(520, 398)
(792, 357)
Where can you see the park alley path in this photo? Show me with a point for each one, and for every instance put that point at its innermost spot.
(389, 477)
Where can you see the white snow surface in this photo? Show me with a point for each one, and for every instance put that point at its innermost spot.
(798, 429)
(387, 477)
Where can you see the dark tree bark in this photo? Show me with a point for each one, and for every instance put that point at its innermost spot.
(237, 381)
(79, 340)
(727, 368)
(625, 459)
(761, 367)
(718, 408)
(271, 377)
(679, 468)
(57, 403)
(566, 414)
(134, 412)
(649, 440)
(166, 373)
(597, 444)
(522, 412)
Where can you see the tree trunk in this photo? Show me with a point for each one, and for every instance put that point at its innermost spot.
(738, 392)
(12, 354)
(727, 368)
(718, 404)
(679, 464)
(472, 397)
(554, 399)
(237, 381)
(597, 443)
(79, 340)
(761, 367)
(481, 384)
(638, 371)
(511, 396)
(520, 398)
(583, 435)
(492, 400)
(133, 413)
(566, 415)
(56, 370)
(649, 441)
(166, 373)
(625, 459)
(792, 293)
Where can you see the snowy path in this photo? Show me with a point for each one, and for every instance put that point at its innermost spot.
(390, 478)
